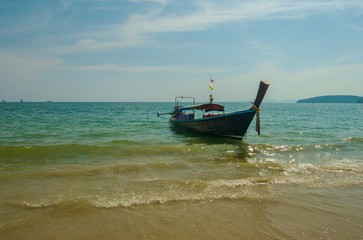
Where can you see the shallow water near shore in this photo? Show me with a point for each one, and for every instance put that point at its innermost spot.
(117, 171)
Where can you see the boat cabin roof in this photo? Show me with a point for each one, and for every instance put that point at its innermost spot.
(206, 107)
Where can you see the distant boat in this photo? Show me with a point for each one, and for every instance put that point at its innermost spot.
(233, 125)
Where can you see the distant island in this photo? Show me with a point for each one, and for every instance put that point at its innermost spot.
(333, 99)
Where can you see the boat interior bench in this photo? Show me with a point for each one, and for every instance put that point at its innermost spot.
(185, 117)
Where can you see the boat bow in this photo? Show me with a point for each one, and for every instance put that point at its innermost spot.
(261, 93)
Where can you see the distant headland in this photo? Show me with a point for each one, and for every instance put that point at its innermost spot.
(333, 99)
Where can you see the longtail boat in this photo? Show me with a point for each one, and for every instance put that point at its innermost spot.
(233, 125)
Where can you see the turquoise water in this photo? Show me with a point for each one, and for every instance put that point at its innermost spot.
(95, 156)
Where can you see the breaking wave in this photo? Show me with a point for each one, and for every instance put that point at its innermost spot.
(262, 184)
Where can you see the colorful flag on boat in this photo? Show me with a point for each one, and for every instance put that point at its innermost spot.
(211, 80)
(211, 87)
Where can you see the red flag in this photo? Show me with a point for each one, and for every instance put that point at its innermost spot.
(211, 80)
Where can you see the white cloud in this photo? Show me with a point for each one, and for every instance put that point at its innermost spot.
(139, 29)
(183, 68)
(117, 68)
(91, 44)
(66, 3)
(162, 2)
(208, 14)
(18, 67)
(355, 27)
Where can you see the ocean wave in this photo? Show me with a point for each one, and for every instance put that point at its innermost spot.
(161, 190)
(285, 148)
(125, 174)
(117, 149)
(123, 149)
(129, 200)
(353, 139)
(79, 170)
(262, 159)
(56, 152)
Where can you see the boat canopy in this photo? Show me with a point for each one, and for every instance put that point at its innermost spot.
(207, 107)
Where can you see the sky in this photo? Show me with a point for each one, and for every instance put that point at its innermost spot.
(154, 50)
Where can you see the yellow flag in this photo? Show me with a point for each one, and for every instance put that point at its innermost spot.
(211, 87)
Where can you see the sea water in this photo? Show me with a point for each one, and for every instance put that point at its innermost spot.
(117, 171)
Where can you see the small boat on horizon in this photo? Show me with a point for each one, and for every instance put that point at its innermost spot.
(232, 125)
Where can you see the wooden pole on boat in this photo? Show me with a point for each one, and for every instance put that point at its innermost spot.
(261, 93)
(159, 114)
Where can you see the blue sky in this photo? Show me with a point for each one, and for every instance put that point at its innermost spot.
(154, 50)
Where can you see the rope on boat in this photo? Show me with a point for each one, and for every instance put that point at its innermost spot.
(257, 118)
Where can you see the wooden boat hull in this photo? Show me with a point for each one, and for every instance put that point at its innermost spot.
(232, 125)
